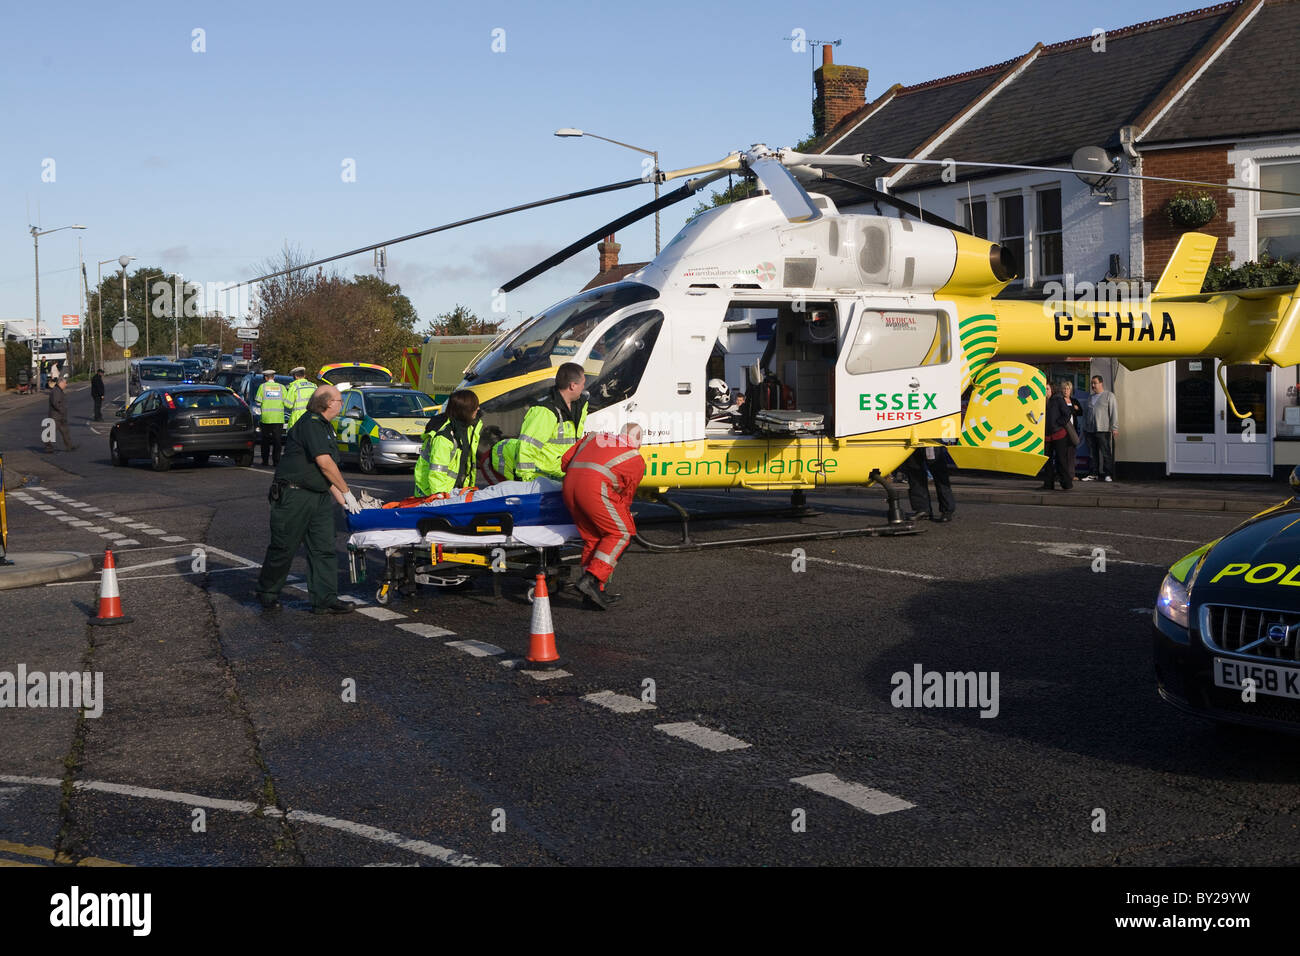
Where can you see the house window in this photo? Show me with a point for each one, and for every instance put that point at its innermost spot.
(1277, 228)
(1011, 210)
(975, 216)
(1048, 234)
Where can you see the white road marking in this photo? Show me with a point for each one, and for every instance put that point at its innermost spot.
(1079, 552)
(146, 577)
(153, 564)
(79, 523)
(298, 587)
(63, 517)
(618, 703)
(84, 507)
(702, 736)
(380, 613)
(154, 531)
(173, 537)
(112, 536)
(365, 832)
(138, 525)
(128, 541)
(1113, 534)
(120, 519)
(96, 529)
(547, 675)
(353, 600)
(477, 648)
(1144, 611)
(847, 564)
(426, 630)
(228, 556)
(854, 794)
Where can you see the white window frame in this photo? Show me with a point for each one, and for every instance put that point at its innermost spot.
(1032, 216)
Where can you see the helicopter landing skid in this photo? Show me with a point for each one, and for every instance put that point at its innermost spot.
(897, 524)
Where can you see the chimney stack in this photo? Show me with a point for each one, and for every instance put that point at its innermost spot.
(608, 253)
(840, 91)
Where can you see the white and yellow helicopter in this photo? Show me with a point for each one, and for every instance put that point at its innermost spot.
(882, 324)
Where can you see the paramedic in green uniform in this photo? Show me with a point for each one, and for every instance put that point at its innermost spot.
(449, 451)
(297, 394)
(306, 485)
(553, 426)
(270, 395)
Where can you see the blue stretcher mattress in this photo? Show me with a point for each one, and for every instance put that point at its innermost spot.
(545, 508)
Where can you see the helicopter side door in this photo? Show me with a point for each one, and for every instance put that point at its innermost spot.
(899, 367)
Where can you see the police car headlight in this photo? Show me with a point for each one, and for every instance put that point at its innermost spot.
(387, 434)
(1174, 600)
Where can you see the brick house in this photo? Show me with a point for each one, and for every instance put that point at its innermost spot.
(1209, 95)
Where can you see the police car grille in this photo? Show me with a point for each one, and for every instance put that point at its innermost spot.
(1233, 628)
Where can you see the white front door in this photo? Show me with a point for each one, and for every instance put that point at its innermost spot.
(1208, 438)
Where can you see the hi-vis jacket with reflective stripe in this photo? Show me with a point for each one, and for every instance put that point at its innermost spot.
(445, 465)
(270, 395)
(297, 394)
(548, 431)
(504, 459)
(607, 459)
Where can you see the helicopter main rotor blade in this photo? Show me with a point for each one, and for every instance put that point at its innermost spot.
(690, 187)
(896, 160)
(901, 204)
(451, 225)
(729, 163)
(792, 199)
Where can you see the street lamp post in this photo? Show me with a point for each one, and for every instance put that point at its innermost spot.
(570, 131)
(37, 232)
(124, 261)
(152, 275)
(176, 312)
(99, 300)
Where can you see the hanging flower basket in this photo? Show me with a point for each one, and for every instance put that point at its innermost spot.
(1191, 210)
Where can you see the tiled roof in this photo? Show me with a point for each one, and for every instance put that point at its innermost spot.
(1253, 88)
(1071, 96)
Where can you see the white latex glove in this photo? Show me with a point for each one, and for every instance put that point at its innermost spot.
(350, 502)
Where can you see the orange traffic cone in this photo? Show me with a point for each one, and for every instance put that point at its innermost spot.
(110, 603)
(541, 640)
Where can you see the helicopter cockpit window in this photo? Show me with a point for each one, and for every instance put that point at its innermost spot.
(895, 339)
(618, 359)
(554, 337)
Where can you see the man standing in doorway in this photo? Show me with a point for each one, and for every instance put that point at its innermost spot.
(97, 393)
(1102, 426)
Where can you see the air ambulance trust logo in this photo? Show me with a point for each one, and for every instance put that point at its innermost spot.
(765, 271)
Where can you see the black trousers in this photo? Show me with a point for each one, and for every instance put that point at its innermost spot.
(302, 516)
(99, 403)
(918, 490)
(1060, 463)
(272, 441)
(1102, 445)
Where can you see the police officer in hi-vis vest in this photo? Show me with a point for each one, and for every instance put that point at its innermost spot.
(296, 395)
(270, 395)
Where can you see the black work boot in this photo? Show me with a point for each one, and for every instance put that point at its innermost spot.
(589, 587)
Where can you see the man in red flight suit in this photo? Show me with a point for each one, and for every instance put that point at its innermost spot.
(601, 474)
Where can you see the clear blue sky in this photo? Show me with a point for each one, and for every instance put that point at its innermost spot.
(207, 163)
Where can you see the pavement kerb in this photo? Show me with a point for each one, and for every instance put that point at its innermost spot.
(1135, 502)
(41, 567)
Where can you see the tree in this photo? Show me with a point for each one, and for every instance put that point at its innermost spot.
(741, 189)
(317, 318)
(461, 321)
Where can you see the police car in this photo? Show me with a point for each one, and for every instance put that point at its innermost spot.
(1227, 624)
(382, 426)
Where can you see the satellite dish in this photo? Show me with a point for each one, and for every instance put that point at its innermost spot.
(1093, 165)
